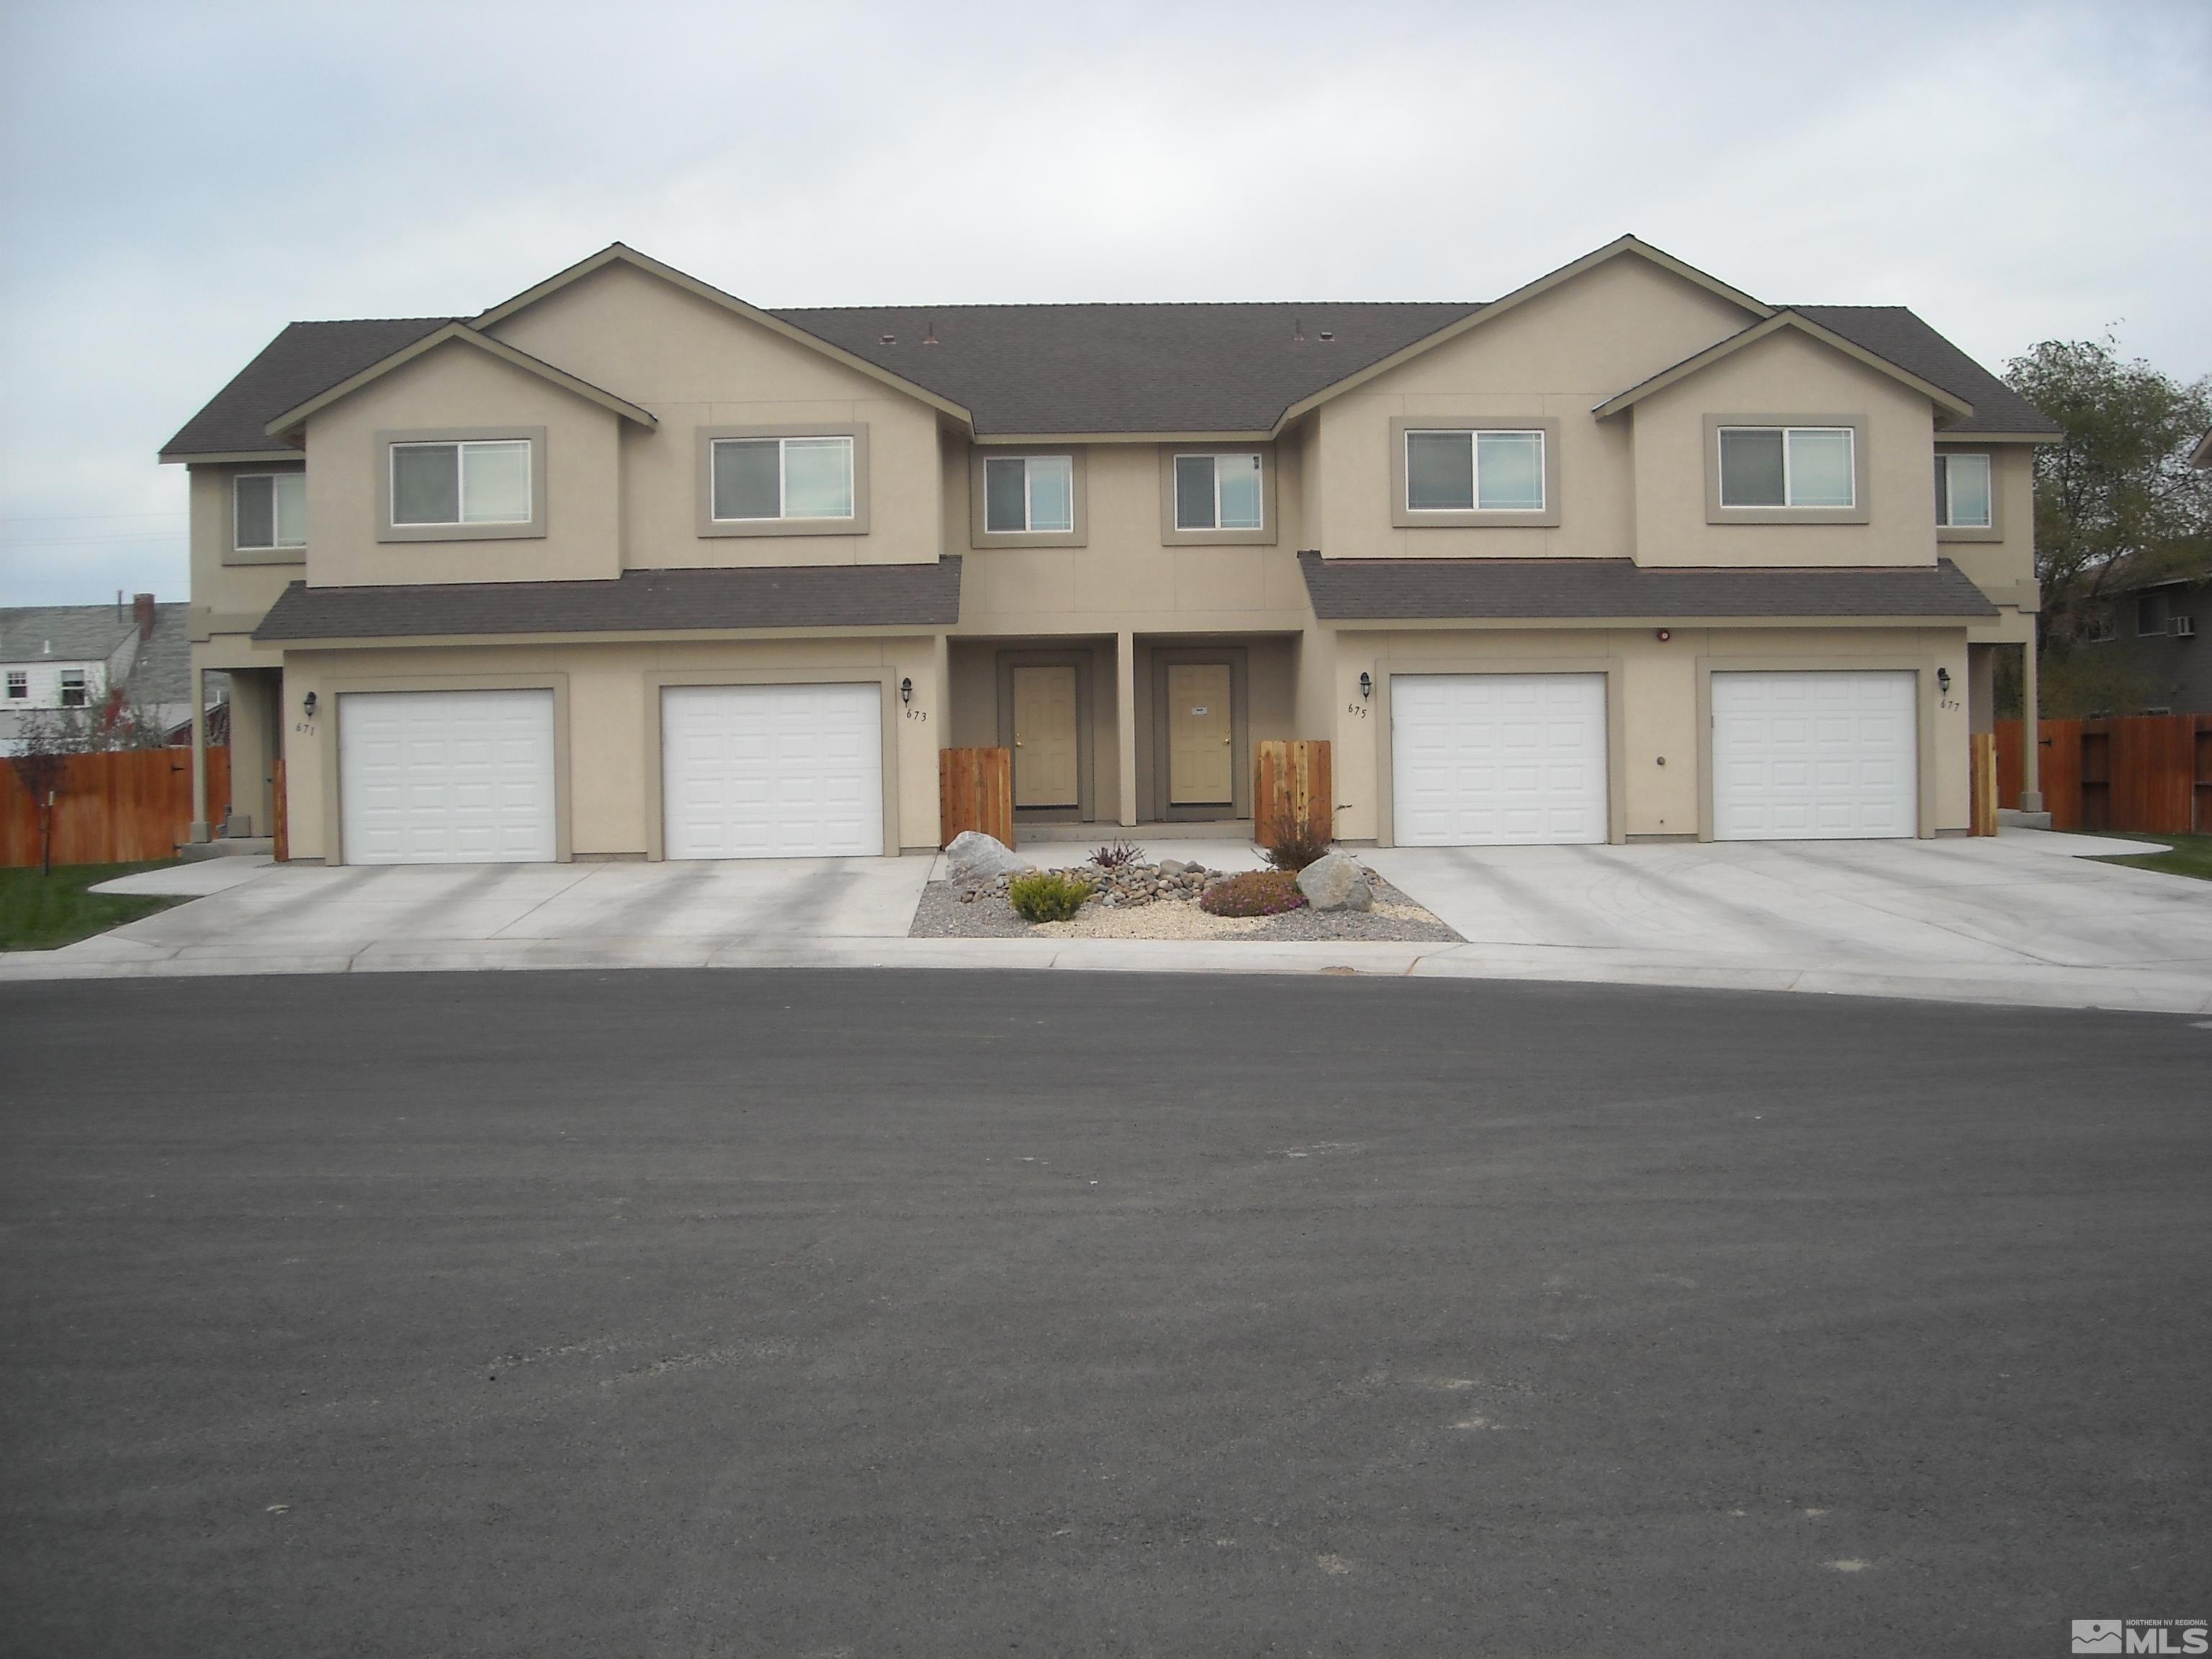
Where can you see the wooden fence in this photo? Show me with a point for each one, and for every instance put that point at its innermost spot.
(2150, 773)
(123, 807)
(1982, 786)
(1296, 794)
(976, 791)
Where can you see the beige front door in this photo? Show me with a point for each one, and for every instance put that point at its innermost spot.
(1201, 752)
(1044, 736)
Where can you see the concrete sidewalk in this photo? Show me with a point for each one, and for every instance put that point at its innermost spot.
(2023, 919)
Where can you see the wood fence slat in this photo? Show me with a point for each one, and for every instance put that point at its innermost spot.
(1983, 801)
(976, 791)
(281, 845)
(1295, 792)
(127, 806)
(2144, 773)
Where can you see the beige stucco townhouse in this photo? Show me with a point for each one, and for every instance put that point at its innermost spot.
(626, 568)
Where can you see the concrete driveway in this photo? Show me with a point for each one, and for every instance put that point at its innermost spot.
(2024, 917)
(306, 919)
(2017, 919)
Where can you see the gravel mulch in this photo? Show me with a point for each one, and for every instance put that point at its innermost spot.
(1150, 906)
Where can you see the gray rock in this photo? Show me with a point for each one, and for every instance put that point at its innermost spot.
(1335, 882)
(1172, 866)
(975, 857)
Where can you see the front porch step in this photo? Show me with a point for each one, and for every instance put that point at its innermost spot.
(228, 847)
(1097, 835)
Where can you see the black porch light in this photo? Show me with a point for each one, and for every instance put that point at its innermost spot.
(1366, 684)
(906, 691)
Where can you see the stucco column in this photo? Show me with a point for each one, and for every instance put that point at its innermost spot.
(1125, 722)
(2030, 732)
(198, 832)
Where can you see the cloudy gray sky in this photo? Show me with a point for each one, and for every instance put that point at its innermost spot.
(180, 180)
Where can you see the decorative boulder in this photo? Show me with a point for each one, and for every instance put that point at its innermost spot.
(1172, 866)
(1335, 882)
(974, 857)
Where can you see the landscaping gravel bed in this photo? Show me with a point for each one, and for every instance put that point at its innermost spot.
(1148, 907)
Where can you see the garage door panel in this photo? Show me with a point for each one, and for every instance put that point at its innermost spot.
(772, 771)
(1498, 759)
(438, 777)
(1803, 755)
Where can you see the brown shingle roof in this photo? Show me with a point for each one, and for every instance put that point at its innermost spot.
(1082, 368)
(305, 359)
(1895, 335)
(637, 602)
(1112, 369)
(1431, 590)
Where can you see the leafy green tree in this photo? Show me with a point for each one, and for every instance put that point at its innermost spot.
(2116, 502)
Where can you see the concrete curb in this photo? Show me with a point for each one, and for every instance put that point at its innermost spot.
(2045, 988)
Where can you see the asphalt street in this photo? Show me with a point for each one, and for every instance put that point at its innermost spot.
(849, 1313)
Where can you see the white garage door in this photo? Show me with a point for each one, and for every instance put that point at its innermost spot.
(1498, 759)
(1807, 756)
(446, 777)
(772, 771)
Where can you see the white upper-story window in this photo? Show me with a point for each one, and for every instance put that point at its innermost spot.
(463, 482)
(19, 684)
(1451, 471)
(1218, 492)
(268, 510)
(766, 479)
(1795, 466)
(1029, 495)
(74, 693)
(1962, 492)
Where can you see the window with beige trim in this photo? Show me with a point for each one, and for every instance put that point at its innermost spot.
(1453, 470)
(1218, 491)
(1029, 495)
(1963, 498)
(772, 478)
(268, 511)
(1788, 466)
(461, 482)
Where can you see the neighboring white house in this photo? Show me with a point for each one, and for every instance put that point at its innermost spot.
(73, 656)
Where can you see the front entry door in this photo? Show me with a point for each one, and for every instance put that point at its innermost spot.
(1201, 752)
(1044, 736)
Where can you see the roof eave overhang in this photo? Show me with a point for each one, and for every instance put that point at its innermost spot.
(292, 420)
(1945, 436)
(214, 457)
(1957, 407)
(1257, 435)
(1656, 619)
(597, 636)
(617, 252)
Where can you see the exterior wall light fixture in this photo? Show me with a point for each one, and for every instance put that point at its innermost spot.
(308, 705)
(1366, 684)
(906, 691)
(1943, 681)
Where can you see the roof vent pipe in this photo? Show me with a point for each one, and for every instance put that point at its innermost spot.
(929, 331)
(1298, 331)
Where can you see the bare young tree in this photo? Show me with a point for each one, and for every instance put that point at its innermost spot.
(46, 741)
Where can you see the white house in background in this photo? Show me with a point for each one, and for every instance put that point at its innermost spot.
(73, 656)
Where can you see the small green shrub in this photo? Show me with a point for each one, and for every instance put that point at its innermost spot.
(1047, 895)
(1296, 850)
(1255, 893)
